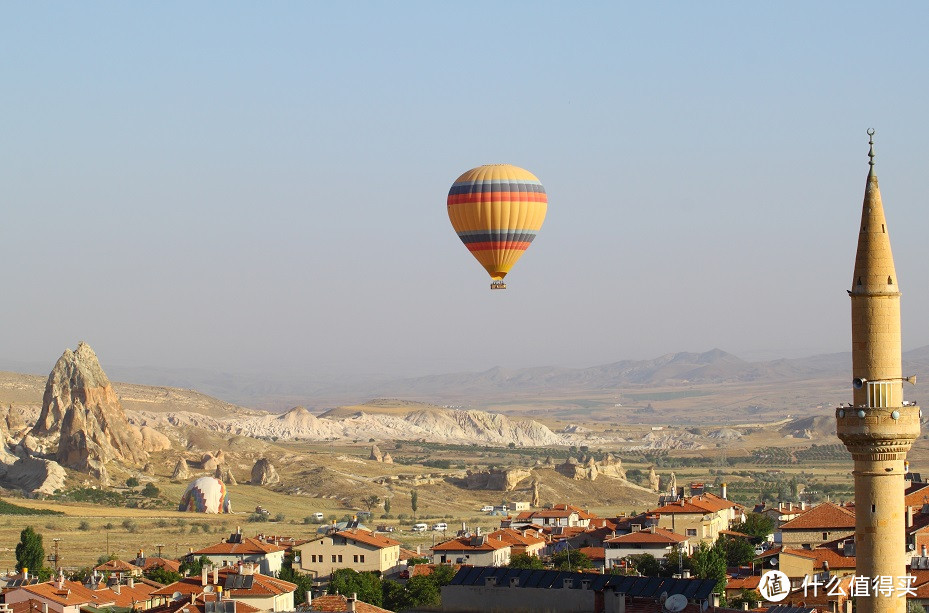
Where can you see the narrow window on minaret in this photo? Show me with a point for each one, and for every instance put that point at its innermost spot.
(882, 229)
(873, 508)
(890, 281)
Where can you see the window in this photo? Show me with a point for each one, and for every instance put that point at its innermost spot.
(340, 559)
(691, 532)
(362, 556)
(355, 558)
(333, 557)
(879, 394)
(825, 536)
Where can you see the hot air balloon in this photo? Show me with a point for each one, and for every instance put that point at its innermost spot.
(205, 495)
(496, 210)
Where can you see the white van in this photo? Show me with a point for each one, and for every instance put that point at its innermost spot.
(420, 528)
(318, 516)
(440, 527)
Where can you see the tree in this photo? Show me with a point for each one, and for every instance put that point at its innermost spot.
(387, 505)
(525, 561)
(645, 564)
(571, 559)
(746, 596)
(423, 591)
(372, 502)
(164, 576)
(192, 566)
(738, 551)
(132, 482)
(757, 525)
(675, 562)
(396, 597)
(29, 552)
(366, 584)
(414, 500)
(710, 563)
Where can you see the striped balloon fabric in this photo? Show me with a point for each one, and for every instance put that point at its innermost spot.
(496, 210)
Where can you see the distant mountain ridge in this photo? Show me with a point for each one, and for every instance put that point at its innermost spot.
(282, 392)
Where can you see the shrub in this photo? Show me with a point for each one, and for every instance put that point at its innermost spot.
(84, 525)
(150, 490)
(132, 482)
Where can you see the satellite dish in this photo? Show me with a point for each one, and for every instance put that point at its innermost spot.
(858, 382)
(773, 562)
(911, 547)
(675, 603)
(208, 589)
(176, 596)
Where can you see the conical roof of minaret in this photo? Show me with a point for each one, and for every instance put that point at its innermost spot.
(874, 262)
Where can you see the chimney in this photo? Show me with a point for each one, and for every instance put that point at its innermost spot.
(215, 575)
(131, 582)
(193, 598)
(117, 588)
(686, 573)
(745, 605)
(909, 516)
(204, 576)
(652, 528)
(924, 551)
(714, 600)
(724, 491)
(803, 505)
(351, 602)
(44, 607)
(238, 529)
(309, 598)
(478, 530)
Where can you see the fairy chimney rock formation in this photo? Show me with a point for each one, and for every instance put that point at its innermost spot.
(81, 407)
(653, 482)
(224, 474)
(181, 470)
(264, 473)
(376, 454)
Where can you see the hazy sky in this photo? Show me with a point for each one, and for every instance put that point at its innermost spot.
(261, 186)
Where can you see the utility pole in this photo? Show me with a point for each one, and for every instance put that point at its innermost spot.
(55, 558)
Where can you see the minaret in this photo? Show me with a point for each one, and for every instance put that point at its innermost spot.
(880, 427)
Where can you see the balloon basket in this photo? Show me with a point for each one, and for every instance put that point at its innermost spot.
(498, 285)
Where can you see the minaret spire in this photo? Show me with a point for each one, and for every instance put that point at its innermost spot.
(880, 427)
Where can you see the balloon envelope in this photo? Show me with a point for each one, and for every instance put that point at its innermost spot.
(496, 210)
(205, 495)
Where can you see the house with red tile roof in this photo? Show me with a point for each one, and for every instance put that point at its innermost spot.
(119, 569)
(655, 541)
(525, 541)
(477, 550)
(817, 525)
(63, 596)
(339, 603)
(355, 548)
(697, 518)
(204, 603)
(237, 548)
(565, 515)
(152, 562)
(242, 583)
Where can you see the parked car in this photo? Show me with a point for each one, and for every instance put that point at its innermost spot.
(383, 528)
(420, 528)
(440, 527)
(487, 508)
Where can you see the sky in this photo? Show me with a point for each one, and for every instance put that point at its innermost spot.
(261, 187)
